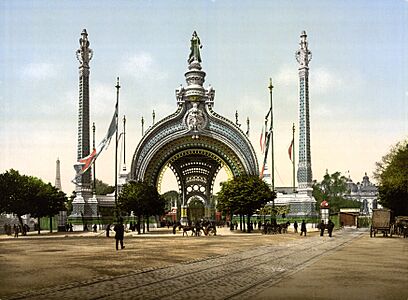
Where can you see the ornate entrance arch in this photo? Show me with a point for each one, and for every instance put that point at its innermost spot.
(194, 142)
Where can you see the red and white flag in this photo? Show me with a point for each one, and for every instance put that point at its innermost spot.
(290, 150)
(261, 142)
(86, 162)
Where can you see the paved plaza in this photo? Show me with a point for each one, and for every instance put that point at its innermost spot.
(228, 266)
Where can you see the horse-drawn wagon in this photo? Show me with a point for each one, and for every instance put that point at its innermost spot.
(382, 221)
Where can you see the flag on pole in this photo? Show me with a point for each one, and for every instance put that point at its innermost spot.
(290, 150)
(266, 148)
(87, 161)
(261, 141)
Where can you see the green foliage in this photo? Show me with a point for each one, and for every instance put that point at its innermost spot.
(332, 189)
(169, 198)
(49, 201)
(21, 194)
(102, 188)
(392, 175)
(244, 195)
(141, 198)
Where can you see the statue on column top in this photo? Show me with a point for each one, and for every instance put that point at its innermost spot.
(195, 49)
(84, 53)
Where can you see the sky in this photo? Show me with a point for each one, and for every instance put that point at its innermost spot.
(358, 76)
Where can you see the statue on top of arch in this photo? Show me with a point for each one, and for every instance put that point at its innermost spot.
(195, 49)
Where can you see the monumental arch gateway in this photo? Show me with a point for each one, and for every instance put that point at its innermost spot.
(194, 142)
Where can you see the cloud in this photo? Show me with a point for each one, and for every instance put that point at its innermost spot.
(102, 99)
(142, 65)
(324, 81)
(287, 76)
(39, 71)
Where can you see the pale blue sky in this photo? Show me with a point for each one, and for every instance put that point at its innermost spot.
(358, 75)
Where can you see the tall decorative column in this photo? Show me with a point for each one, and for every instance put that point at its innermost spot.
(302, 204)
(58, 175)
(83, 188)
(304, 173)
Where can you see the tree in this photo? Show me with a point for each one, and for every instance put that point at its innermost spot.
(21, 195)
(332, 189)
(244, 195)
(392, 176)
(171, 197)
(142, 199)
(16, 193)
(102, 188)
(49, 201)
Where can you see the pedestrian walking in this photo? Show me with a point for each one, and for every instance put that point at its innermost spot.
(94, 228)
(108, 229)
(330, 226)
(295, 226)
(120, 232)
(303, 228)
(16, 230)
(322, 227)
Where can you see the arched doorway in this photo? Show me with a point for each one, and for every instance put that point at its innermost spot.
(195, 209)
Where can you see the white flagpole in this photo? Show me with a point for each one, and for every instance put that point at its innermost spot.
(116, 150)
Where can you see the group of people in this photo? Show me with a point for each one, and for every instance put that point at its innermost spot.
(16, 229)
(329, 226)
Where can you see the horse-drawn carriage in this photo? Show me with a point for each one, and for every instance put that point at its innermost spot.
(382, 221)
(208, 228)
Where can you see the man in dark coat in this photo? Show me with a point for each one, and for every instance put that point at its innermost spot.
(322, 227)
(303, 228)
(295, 226)
(330, 226)
(120, 232)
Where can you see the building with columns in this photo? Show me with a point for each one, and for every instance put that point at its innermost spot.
(365, 192)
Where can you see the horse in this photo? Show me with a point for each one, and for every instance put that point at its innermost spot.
(210, 229)
(186, 229)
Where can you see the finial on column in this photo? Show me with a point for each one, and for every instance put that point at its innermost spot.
(236, 119)
(84, 53)
(142, 126)
(247, 132)
(303, 55)
(153, 116)
(117, 83)
(270, 87)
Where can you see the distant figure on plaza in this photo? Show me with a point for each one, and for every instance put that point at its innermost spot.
(71, 228)
(16, 230)
(95, 228)
(303, 228)
(295, 226)
(108, 229)
(120, 232)
(330, 226)
(86, 227)
(195, 48)
(322, 227)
